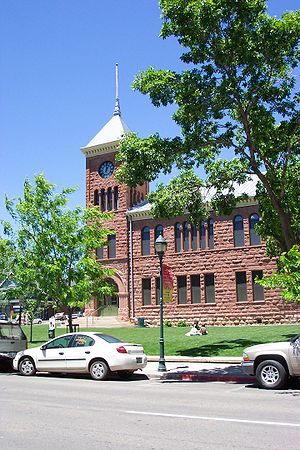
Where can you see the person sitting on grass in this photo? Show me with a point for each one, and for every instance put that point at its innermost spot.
(196, 330)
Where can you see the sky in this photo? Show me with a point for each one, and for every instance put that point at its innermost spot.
(57, 82)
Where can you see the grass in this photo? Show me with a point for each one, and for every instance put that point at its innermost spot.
(220, 341)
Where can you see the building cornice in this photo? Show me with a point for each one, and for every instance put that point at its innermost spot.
(103, 149)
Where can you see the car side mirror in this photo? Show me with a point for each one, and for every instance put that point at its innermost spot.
(43, 347)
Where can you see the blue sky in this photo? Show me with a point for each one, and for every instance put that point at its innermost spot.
(57, 72)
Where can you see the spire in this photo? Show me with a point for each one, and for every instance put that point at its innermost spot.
(117, 110)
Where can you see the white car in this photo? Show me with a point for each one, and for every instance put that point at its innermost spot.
(83, 352)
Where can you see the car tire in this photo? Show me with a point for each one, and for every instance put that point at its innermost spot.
(271, 374)
(99, 370)
(27, 367)
(125, 374)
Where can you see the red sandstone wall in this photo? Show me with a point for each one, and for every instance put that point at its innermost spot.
(224, 260)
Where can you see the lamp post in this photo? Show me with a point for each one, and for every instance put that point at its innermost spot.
(160, 247)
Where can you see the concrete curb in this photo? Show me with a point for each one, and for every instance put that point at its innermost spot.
(199, 359)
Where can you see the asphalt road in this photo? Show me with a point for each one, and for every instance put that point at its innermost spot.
(63, 412)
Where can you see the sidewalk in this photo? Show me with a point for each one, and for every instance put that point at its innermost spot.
(198, 369)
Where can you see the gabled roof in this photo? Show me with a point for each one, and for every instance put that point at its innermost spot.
(143, 209)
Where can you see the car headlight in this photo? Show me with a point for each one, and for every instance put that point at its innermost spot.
(19, 354)
(245, 357)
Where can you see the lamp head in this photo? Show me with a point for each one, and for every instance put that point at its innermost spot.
(160, 245)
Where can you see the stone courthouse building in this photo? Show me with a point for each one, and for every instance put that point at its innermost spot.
(213, 264)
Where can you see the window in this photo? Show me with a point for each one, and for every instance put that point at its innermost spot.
(81, 340)
(238, 231)
(159, 231)
(195, 288)
(194, 233)
(146, 291)
(211, 240)
(202, 236)
(146, 241)
(99, 253)
(181, 288)
(112, 246)
(209, 284)
(96, 197)
(185, 230)
(177, 234)
(109, 199)
(254, 237)
(103, 200)
(116, 197)
(157, 291)
(241, 286)
(61, 342)
(258, 290)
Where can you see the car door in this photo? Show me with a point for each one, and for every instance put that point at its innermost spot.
(78, 354)
(295, 356)
(51, 357)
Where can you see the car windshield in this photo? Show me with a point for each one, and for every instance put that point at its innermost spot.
(108, 338)
(11, 331)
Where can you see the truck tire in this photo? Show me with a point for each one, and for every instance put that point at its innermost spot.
(271, 374)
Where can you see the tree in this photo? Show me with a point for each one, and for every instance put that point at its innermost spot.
(50, 251)
(239, 95)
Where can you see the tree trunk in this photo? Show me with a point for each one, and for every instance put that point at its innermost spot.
(70, 320)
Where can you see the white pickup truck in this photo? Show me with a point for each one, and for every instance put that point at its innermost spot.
(272, 364)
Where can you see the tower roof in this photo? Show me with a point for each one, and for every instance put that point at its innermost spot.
(109, 135)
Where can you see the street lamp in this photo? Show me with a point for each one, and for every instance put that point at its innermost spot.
(160, 247)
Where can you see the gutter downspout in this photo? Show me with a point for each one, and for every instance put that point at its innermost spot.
(131, 268)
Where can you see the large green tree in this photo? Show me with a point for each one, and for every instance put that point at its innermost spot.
(238, 94)
(49, 250)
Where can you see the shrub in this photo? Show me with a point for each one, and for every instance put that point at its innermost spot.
(181, 323)
(168, 323)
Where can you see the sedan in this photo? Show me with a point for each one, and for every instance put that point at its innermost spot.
(95, 353)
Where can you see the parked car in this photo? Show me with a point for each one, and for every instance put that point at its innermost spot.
(4, 317)
(94, 353)
(12, 340)
(272, 364)
(60, 316)
(37, 320)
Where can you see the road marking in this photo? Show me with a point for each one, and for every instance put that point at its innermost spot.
(216, 419)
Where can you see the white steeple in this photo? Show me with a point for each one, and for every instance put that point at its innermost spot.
(109, 136)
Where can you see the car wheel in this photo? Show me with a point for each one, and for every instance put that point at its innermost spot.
(125, 374)
(271, 374)
(27, 367)
(99, 370)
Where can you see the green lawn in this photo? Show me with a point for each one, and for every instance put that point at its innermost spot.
(220, 341)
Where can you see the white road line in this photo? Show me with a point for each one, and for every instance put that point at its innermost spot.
(216, 419)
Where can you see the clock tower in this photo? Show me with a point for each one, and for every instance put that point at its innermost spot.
(104, 191)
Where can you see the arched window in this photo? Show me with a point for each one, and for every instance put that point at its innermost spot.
(145, 241)
(211, 239)
(96, 197)
(254, 237)
(112, 250)
(238, 231)
(185, 232)
(159, 230)
(194, 233)
(99, 253)
(177, 234)
(109, 199)
(116, 197)
(202, 236)
(103, 200)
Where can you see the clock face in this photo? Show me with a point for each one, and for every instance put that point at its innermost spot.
(106, 169)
